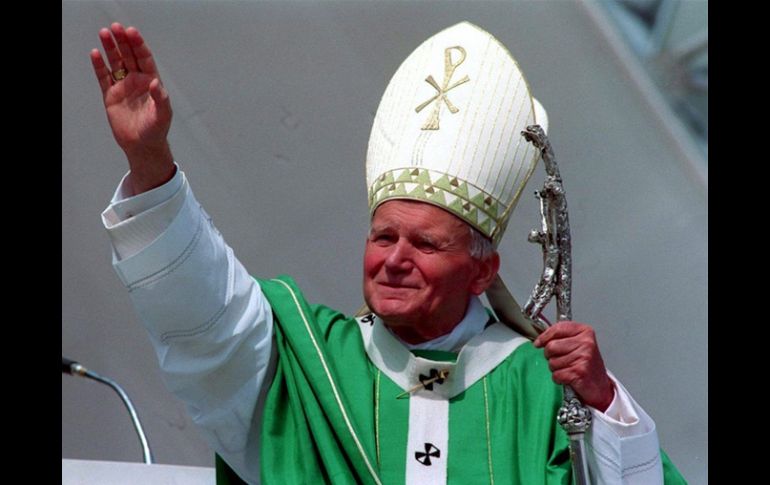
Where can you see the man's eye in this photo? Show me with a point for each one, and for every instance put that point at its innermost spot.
(383, 238)
(426, 246)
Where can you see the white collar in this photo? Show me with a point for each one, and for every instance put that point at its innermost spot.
(482, 353)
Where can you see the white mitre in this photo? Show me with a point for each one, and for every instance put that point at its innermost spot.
(448, 130)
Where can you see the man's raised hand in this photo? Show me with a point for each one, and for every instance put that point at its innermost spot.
(137, 105)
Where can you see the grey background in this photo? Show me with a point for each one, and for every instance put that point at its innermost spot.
(273, 103)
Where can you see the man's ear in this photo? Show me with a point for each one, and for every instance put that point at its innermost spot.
(488, 268)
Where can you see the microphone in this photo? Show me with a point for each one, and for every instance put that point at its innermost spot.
(69, 366)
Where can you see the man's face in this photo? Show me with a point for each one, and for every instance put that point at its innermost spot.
(418, 271)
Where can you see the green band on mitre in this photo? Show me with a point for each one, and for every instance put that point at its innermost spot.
(464, 200)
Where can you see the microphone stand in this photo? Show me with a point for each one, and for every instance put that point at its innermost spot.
(73, 368)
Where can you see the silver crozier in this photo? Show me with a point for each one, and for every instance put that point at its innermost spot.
(556, 280)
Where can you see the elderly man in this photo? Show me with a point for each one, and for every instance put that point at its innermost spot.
(425, 386)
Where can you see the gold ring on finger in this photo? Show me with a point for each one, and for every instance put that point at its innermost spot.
(119, 75)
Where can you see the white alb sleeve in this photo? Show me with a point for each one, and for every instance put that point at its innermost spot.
(622, 443)
(153, 210)
(207, 318)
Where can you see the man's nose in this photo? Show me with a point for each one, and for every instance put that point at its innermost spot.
(399, 258)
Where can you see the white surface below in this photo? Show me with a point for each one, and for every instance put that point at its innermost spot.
(86, 472)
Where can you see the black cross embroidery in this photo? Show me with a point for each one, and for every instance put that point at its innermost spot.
(433, 374)
(369, 319)
(424, 458)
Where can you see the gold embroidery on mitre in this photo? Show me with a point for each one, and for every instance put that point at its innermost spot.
(441, 91)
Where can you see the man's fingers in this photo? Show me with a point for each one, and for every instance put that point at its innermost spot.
(567, 360)
(561, 347)
(565, 377)
(160, 96)
(113, 55)
(124, 47)
(559, 331)
(574, 360)
(141, 52)
(101, 71)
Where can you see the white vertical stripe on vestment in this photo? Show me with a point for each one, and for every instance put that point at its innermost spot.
(428, 441)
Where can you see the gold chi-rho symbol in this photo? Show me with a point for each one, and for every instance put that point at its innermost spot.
(449, 70)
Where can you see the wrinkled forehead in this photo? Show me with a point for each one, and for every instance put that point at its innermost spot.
(417, 215)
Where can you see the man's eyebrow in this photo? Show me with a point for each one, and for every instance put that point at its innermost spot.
(382, 228)
(423, 235)
(428, 237)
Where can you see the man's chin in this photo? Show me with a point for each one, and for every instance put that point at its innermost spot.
(391, 310)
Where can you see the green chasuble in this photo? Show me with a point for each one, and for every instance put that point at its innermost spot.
(332, 415)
